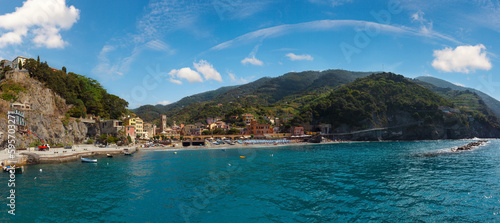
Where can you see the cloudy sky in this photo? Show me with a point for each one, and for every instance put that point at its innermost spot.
(159, 51)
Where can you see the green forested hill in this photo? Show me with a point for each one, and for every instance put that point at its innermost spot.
(492, 103)
(369, 102)
(403, 109)
(282, 95)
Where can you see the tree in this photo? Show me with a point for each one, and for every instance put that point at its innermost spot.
(4, 71)
(219, 132)
(20, 65)
(102, 138)
(64, 69)
(233, 132)
(205, 132)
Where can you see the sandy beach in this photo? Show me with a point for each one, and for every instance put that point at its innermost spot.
(60, 155)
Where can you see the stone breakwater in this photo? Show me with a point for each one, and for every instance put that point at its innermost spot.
(60, 155)
(470, 146)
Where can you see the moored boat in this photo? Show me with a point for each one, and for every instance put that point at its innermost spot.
(16, 169)
(86, 160)
(109, 155)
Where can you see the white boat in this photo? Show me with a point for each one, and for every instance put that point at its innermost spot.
(85, 160)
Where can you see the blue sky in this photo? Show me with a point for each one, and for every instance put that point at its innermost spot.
(159, 51)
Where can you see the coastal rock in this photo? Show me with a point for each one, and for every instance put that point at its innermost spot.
(45, 117)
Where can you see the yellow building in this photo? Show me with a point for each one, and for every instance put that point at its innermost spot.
(138, 123)
(139, 127)
(129, 121)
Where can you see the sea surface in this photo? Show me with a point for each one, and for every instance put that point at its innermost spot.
(377, 181)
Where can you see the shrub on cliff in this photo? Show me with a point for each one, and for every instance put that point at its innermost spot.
(85, 93)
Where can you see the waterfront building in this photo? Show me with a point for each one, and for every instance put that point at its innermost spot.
(111, 127)
(139, 127)
(129, 121)
(149, 130)
(260, 129)
(130, 131)
(188, 130)
(298, 131)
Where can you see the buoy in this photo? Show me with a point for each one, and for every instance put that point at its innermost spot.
(243, 157)
(229, 164)
(35, 178)
(40, 170)
(272, 155)
(175, 152)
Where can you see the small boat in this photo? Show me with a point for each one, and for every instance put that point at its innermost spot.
(85, 160)
(128, 154)
(109, 155)
(243, 157)
(16, 169)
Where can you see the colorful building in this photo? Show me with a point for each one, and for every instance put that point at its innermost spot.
(298, 131)
(129, 121)
(130, 131)
(248, 118)
(260, 129)
(139, 127)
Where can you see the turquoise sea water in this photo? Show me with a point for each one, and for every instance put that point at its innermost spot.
(382, 181)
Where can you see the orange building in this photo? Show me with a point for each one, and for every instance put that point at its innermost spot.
(260, 129)
(298, 131)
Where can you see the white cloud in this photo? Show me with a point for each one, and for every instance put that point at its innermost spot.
(185, 73)
(418, 16)
(104, 67)
(253, 61)
(463, 59)
(294, 57)
(44, 18)
(321, 25)
(425, 26)
(207, 70)
(107, 69)
(332, 3)
(159, 45)
(163, 102)
(459, 84)
(234, 78)
(175, 81)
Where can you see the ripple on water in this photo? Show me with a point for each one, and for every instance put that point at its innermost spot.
(387, 181)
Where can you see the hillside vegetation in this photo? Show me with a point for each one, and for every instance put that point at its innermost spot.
(85, 94)
(371, 101)
(280, 96)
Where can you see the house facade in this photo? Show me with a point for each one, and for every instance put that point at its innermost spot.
(130, 131)
(139, 127)
(248, 118)
(111, 127)
(298, 131)
(260, 129)
(19, 61)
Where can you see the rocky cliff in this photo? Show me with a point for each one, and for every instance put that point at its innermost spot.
(45, 115)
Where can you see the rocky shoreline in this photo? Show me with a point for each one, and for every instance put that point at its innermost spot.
(470, 146)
